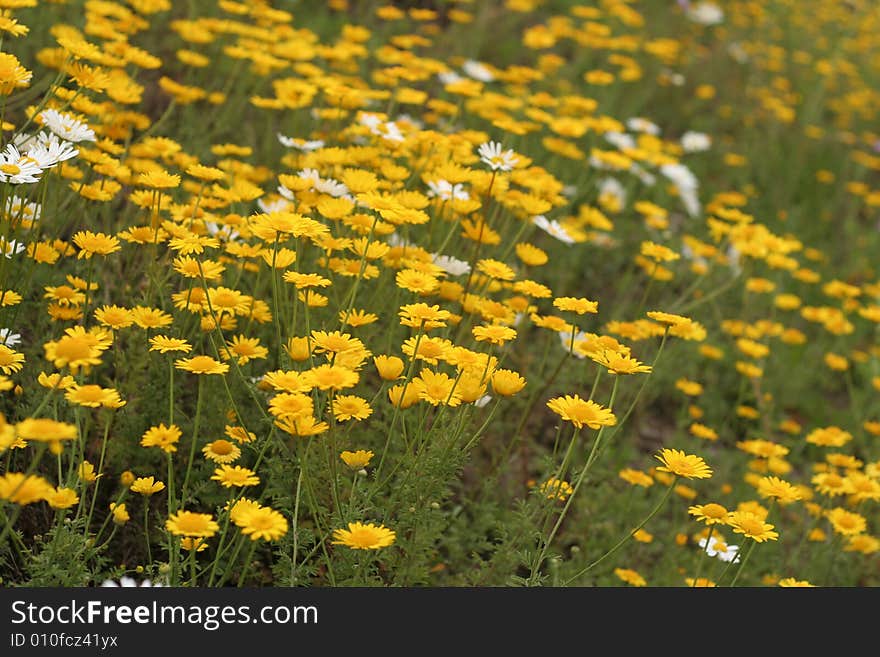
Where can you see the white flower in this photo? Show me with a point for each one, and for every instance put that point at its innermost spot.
(331, 187)
(491, 154)
(695, 142)
(66, 127)
(9, 338)
(738, 52)
(477, 71)
(286, 193)
(620, 139)
(639, 124)
(552, 227)
(687, 184)
(445, 190)
(128, 582)
(299, 144)
(723, 551)
(325, 186)
(395, 239)
(278, 205)
(309, 174)
(647, 178)
(46, 148)
(565, 339)
(17, 207)
(734, 258)
(451, 265)
(226, 232)
(11, 247)
(611, 187)
(705, 13)
(16, 168)
(388, 131)
(385, 129)
(449, 77)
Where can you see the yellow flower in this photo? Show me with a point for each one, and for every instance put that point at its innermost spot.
(683, 465)
(494, 334)
(235, 475)
(262, 523)
(162, 437)
(62, 498)
(437, 388)
(507, 382)
(389, 367)
(752, 525)
(556, 489)
(120, 513)
(710, 514)
(846, 522)
(191, 524)
(577, 305)
(630, 577)
(18, 488)
(348, 407)
(146, 486)
(582, 412)
(356, 460)
(95, 244)
(792, 582)
(201, 365)
(87, 474)
(221, 451)
(360, 536)
(776, 488)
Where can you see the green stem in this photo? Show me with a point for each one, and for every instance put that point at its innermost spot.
(626, 538)
(247, 563)
(195, 435)
(743, 565)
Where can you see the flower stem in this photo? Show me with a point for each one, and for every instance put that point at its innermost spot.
(192, 449)
(628, 536)
(743, 565)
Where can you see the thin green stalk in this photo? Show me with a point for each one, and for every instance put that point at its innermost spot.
(195, 436)
(247, 563)
(628, 536)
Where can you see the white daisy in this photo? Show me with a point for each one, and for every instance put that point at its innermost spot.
(16, 168)
(299, 144)
(705, 13)
(47, 149)
(445, 190)
(129, 582)
(477, 71)
(66, 127)
(491, 154)
(552, 227)
(278, 205)
(695, 142)
(723, 551)
(451, 265)
(9, 338)
(620, 139)
(611, 187)
(17, 207)
(639, 124)
(11, 247)
(686, 183)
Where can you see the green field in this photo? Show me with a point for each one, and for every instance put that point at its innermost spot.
(456, 293)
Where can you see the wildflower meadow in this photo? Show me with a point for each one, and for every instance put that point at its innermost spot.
(462, 293)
